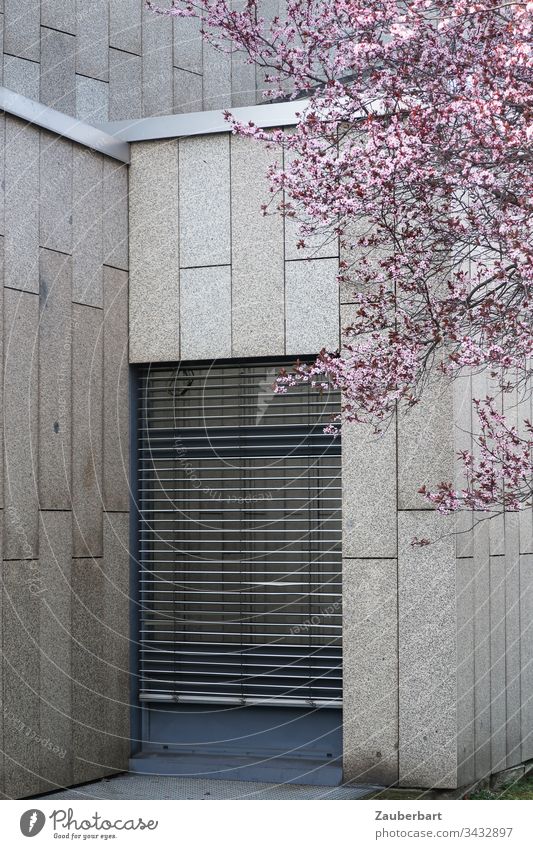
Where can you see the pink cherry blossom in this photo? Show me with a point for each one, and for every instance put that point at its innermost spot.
(413, 149)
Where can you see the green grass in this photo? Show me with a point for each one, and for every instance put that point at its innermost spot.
(522, 789)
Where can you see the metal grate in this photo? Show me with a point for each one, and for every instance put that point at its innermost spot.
(239, 539)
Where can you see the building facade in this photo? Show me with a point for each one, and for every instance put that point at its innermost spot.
(147, 302)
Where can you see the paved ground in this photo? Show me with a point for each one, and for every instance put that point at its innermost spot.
(131, 786)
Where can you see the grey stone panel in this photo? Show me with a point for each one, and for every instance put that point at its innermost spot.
(1, 383)
(188, 45)
(115, 225)
(89, 679)
(22, 22)
(55, 648)
(22, 76)
(425, 445)
(92, 99)
(1, 46)
(58, 70)
(525, 411)
(427, 652)
(21, 708)
(369, 523)
(157, 65)
(125, 81)
(466, 762)
(116, 403)
(55, 349)
(243, 84)
(370, 671)
(217, 78)
(321, 245)
(21, 209)
(311, 306)
(462, 407)
(87, 271)
(21, 318)
(482, 659)
(87, 431)
(498, 707)
(55, 230)
(204, 164)
(116, 620)
(526, 645)
(59, 14)
(125, 25)
(187, 91)
(92, 44)
(258, 297)
(2, 793)
(512, 638)
(205, 313)
(154, 253)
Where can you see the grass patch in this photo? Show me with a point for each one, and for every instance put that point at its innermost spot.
(522, 789)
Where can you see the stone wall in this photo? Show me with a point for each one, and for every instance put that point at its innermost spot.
(437, 659)
(65, 499)
(112, 59)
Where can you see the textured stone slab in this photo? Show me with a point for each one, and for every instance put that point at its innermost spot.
(370, 671)
(217, 78)
(87, 431)
(92, 43)
(512, 639)
(55, 535)
(154, 252)
(258, 296)
(87, 272)
(116, 617)
(2, 171)
(498, 707)
(59, 15)
(369, 492)
(125, 86)
(58, 70)
(204, 164)
(92, 99)
(2, 386)
(125, 25)
(116, 389)
(55, 194)
(21, 210)
(22, 22)
(311, 306)
(21, 588)
(187, 91)
(188, 45)
(22, 76)
(205, 313)
(526, 643)
(425, 445)
(482, 659)
(243, 84)
(2, 712)
(55, 351)
(115, 223)
(157, 73)
(21, 319)
(427, 652)
(89, 678)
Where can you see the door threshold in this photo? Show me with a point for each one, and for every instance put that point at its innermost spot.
(275, 770)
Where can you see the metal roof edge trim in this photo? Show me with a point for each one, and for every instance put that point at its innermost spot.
(94, 137)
